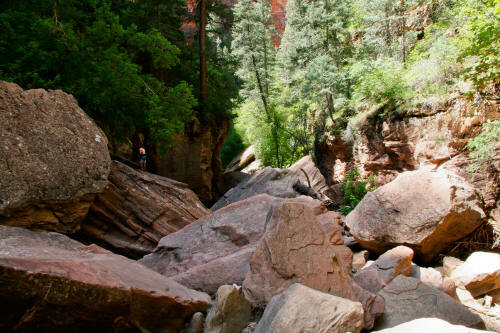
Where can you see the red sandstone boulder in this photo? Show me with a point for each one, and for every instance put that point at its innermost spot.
(295, 249)
(52, 283)
(422, 209)
(137, 209)
(216, 249)
(53, 159)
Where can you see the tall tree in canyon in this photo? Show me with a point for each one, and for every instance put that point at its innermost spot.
(253, 46)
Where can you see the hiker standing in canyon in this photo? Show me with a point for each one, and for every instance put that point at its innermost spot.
(142, 158)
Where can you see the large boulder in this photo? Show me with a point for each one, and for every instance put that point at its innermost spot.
(296, 249)
(301, 178)
(53, 159)
(422, 209)
(479, 274)
(407, 299)
(50, 282)
(216, 249)
(429, 325)
(137, 209)
(302, 309)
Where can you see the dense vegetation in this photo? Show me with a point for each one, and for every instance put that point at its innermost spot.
(341, 61)
(127, 62)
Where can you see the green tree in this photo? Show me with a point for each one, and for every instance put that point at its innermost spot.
(253, 47)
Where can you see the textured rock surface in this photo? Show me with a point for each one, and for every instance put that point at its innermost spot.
(295, 249)
(429, 325)
(479, 274)
(195, 159)
(52, 283)
(137, 209)
(407, 299)
(389, 265)
(279, 183)
(230, 313)
(216, 249)
(422, 209)
(53, 159)
(302, 309)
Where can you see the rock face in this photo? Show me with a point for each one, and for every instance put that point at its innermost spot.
(407, 299)
(137, 209)
(52, 283)
(195, 159)
(479, 274)
(431, 136)
(302, 309)
(216, 249)
(389, 265)
(295, 249)
(429, 325)
(53, 159)
(422, 209)
(231, 312)
(281, 183)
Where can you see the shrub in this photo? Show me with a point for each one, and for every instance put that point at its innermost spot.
(484, 146)
(354, 189)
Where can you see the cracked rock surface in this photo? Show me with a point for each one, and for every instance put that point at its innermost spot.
(51, 283)
(407, 299)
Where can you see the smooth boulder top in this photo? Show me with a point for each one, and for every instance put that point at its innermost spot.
(425, 210)
(51, 153)
(85, 286)
(301, 309)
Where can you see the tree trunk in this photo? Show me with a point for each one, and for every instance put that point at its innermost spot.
(203, 52)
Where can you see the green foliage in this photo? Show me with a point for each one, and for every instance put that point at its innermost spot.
(381, 83)
(232, 147)
(126, 62)
(480, 41)
(354, 189)
(485, 146)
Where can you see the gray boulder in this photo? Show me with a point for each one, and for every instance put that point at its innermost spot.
(53, 159)
(302, 309)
